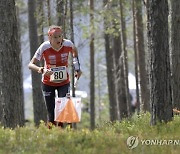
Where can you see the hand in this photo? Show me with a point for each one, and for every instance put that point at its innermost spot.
(78, 74)
(41, 70)
(48, 72)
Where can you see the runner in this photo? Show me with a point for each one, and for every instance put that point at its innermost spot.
(55, 76)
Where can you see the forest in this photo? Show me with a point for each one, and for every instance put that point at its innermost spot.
(114, 38)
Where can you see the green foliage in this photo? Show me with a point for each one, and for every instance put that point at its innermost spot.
(106, 138)
(85, 121)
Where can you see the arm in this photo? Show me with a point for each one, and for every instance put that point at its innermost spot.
(74, 51)
(76, 62)
(32, 65)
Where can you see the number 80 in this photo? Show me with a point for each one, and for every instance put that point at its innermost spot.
(58, 75)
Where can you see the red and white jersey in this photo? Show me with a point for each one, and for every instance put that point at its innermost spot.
(54, 58)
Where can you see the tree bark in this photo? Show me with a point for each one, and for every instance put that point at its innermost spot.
(175, 52)
(40, 21)
(160, 81)
(60, 13)
(120, 109)
(110, 70)
(144, 92)
(49, 12)
(39, 108)
(11, 82)
(125, 57)
(62, 10)
(92, 69)
(72, 39)
(136, 59)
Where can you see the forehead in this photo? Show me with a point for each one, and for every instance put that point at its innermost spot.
(55, 31)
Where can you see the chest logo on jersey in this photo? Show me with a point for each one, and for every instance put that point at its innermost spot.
(52, 59)
(64, 57)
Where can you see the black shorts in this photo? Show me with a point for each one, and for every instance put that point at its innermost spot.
(49, 96)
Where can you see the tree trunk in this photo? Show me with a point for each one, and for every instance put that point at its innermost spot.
(60, 13)
(40, 21)
(125, 57)
(123, 111)
(160, 81)
(92, 76)
(136, 59)
(120, 104)
(38, 101)
(62, 9)
(11, 85)
(110, 71)
(72, 39)
(49, 12)
(144, 93)
(175, 52)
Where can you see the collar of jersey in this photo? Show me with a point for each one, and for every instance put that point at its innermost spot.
(59, 48)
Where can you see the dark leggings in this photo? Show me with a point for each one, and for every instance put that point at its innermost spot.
(49, 96)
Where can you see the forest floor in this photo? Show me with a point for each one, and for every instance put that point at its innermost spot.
(128, 136)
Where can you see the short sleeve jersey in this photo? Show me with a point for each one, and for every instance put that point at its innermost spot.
(54, 58)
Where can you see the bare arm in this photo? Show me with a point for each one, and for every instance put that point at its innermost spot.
(74, 51)
(33, 66)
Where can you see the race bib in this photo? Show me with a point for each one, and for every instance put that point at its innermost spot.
(60, 74)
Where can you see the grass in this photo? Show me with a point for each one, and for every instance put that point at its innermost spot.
(108, 138)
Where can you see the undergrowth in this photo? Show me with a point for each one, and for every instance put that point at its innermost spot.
(108, 138)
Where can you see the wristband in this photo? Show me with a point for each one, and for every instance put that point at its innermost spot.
(76, 64)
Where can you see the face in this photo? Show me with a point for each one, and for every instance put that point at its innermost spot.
(56, 39)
